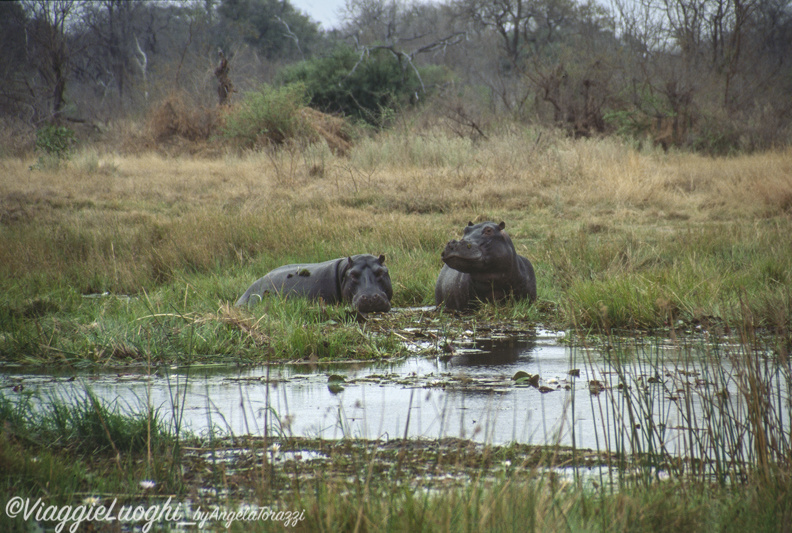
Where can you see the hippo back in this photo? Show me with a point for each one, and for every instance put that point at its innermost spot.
(311, 280)
(361, 280)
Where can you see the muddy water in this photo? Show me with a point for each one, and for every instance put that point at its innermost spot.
(469, 393)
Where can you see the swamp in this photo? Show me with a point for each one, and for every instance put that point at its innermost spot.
(646, 389)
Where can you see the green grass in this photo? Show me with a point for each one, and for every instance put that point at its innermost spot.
(69, 450)
(650, 280)
(180, 324)
(169, 301)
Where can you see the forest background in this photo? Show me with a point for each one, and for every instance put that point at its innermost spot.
(708, 75)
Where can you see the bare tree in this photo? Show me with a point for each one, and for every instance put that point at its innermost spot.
(523, 25)
(51, 49)
(405, 30)
(702, 67)
(114, 39)
(142, 62)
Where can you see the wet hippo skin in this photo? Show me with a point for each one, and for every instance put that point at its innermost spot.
(483, 266)
(362, 280)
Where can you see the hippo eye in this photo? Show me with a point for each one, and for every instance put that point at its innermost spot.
(488, 231)
(354, 274)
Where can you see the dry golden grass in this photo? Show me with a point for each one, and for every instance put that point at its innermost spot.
(412, 173)
(516, 172)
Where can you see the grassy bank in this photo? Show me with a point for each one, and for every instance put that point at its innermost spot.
(118, 258)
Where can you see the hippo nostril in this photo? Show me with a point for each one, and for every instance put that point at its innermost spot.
(367, 303)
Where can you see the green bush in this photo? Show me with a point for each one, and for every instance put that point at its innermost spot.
(56, 141)
(269, 115)
(369, 88)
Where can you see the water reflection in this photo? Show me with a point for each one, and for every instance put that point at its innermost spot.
(495, 352)
(470, 395)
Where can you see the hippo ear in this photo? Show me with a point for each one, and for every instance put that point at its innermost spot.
(502, 225)
(470, 223)
(349, 261)
(381, 259)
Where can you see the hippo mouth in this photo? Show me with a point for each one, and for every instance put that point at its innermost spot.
(371, 303)
(464, 256)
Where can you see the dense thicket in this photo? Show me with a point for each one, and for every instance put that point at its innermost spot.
(367, 86)
(712, 75)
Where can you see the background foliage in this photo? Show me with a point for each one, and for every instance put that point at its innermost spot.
(367, 86)
(713, 76)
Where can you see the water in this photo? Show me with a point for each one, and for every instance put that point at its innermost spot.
(468, 394)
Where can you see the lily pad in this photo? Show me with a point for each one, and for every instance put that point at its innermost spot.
(335, 388)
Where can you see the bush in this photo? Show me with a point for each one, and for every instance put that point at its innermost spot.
(268, 116)
(370, 88)
(56, 141)
(179, 116)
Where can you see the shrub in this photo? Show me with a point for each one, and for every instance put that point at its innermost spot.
(268, 115)
(56, 141)
(369, 88)
(179, 116)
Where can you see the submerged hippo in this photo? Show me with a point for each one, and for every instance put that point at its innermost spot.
(361, 280)
(483, 266)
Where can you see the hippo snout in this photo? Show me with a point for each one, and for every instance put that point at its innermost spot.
(372, 303)
(461, 249)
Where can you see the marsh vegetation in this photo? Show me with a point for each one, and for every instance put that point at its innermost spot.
(689, 434)
(136, 258)
(115, 259)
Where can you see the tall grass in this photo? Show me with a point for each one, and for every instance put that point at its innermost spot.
(698, 438)
(705, 409)
(125, 443)
(619, 238)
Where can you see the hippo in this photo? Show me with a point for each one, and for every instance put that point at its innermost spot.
(483, 266)
(361, 280)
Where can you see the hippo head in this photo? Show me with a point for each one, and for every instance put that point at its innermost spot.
(365, 283)
(484, 248)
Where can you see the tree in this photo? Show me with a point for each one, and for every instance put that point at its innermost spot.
(716, 75)
(406, 31)
(14, 68)
(115, 31)
(52, 48)
(522, 25)
(559, 60)
(274, 27)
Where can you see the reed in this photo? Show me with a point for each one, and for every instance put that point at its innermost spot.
(694, 434)
(68, 446)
